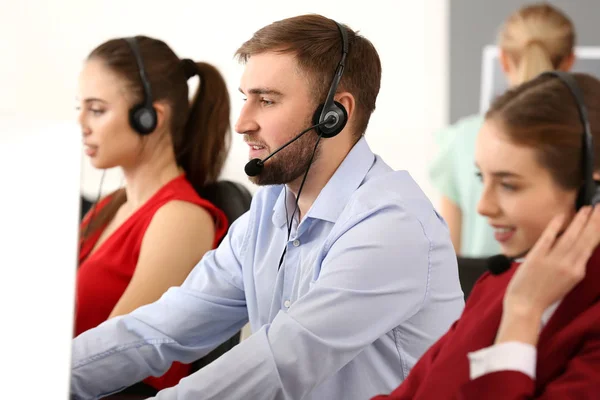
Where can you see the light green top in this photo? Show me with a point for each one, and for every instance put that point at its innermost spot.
(453, 174)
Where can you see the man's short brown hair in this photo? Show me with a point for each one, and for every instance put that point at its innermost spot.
(316, 43)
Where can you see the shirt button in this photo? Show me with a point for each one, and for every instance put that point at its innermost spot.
(287, 304)
(296, 243)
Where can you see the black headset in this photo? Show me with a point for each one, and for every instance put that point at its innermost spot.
(142, 116)
(330, 107)
(589, 193)
(326, 110)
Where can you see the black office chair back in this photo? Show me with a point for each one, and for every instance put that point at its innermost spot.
(84, 206)
(469, 271)
(234, 199)
(231, 197)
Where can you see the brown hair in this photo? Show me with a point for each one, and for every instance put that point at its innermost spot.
(537, 38)
(316, 43)
(542, 114)
(200, 131)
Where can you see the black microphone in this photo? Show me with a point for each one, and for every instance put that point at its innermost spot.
(499, 264)
(255, 166)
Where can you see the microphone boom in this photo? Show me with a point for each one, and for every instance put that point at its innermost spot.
(256, 165)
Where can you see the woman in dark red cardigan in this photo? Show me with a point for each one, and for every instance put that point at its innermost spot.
(532, 332)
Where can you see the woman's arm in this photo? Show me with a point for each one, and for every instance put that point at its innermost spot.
(179, 234)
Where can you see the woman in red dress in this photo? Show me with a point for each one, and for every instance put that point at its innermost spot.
(146, 237)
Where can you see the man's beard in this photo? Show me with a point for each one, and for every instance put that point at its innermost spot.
(290, 163)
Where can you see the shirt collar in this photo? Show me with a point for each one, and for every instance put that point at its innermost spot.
(335, 195)
(279, 217)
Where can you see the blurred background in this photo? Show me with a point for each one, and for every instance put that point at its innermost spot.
(47, 42)
(440, 64)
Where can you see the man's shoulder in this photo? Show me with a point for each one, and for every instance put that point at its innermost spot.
(392, 207)
(389, 186)
(396, 191)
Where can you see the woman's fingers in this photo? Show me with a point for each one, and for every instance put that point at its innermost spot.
(544, 244)
(587, 241)
(567, 241)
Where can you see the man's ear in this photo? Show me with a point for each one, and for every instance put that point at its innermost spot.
(347, 100)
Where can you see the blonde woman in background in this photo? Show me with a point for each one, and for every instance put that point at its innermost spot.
(534, 39)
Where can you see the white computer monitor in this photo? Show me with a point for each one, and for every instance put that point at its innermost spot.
(40, 165)
(493, 81)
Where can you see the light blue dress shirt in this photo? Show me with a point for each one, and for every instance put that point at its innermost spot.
(368, 283)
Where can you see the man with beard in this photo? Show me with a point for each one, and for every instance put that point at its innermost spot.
(342, 267)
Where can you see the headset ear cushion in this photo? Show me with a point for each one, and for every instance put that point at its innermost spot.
(332, 130)
(143, 119)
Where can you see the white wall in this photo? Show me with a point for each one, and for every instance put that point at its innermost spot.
(49, 40)
(38, 247)
(42, 47)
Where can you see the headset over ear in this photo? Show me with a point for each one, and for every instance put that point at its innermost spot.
(142, 116)
(589, 193)
(331, 107)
